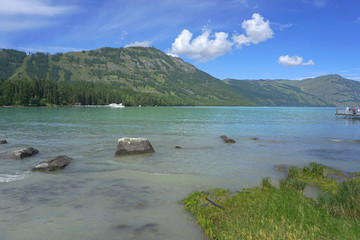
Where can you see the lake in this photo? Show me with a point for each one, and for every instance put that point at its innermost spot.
(100, 196)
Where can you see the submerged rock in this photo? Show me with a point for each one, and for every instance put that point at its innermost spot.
(179, 147)
(227, 140)
(3, 141)
(127, 146)
(149, 227)
(54, 164)
(20, 153)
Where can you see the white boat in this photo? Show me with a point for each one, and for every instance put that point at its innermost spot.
(348, 112)
(116, 105)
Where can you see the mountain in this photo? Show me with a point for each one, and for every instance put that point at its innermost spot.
(10, 60)
(333, 89)
(143, 70)
(147, 76)
(327, 90)
(274, 93)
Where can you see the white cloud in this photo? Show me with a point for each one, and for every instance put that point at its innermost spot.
(294, 61)
(203, 48)
(31, 7)
(139, 44)
(257, 30)
(18, 15)
(208, 46)
(309, 63)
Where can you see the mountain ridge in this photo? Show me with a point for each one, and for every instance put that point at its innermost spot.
(147, 70)
(151, 72)
(326, 90)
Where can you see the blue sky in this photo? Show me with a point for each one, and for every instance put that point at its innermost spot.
(240, 39)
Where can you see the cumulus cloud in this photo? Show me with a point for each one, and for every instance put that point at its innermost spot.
(309, 63)
(294, 61)
(209, 46)
(31, 7)
(203, 48)
(257, 30)
(139, 44)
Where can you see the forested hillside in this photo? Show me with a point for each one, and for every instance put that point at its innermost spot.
(129, 72)
(327, 90)
(42, 92)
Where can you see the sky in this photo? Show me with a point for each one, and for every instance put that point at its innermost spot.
(239, 39)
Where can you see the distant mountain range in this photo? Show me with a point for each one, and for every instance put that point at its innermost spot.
(327, 90)
(149, 70)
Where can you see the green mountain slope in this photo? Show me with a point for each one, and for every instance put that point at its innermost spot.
(146, 70)
(333, 89)
(10, 60)
(328, 90)
(274, 93)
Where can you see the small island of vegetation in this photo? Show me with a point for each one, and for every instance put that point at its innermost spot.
(268, 212)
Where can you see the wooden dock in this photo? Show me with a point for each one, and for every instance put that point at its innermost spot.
(343, 113)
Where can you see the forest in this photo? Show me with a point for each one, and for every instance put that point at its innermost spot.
(42, 92)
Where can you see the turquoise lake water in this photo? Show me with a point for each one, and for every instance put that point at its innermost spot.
(100, 196)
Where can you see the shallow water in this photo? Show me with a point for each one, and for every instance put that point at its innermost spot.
(100, 196)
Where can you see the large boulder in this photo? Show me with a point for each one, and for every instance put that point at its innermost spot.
(127, 146)
(20, 153)
(54, 164)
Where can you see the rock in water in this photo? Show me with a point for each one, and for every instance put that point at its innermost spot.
(227, 140)
(20, 153)
(127, 146)
(54, 164)
(3, 141)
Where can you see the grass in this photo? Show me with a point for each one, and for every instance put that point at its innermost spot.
(316, 174)
(266, 212)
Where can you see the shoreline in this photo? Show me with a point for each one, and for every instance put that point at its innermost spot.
(284, 212)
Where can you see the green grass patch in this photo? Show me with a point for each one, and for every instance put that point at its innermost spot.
(317, 175)
(267, 212)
